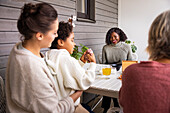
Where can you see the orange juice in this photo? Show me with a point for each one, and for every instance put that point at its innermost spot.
(106, 71)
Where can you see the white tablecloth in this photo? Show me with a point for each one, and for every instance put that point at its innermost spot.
(106, 85)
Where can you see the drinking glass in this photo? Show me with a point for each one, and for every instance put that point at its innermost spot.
(106, 70)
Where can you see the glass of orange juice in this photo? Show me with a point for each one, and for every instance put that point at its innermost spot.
(106, 70)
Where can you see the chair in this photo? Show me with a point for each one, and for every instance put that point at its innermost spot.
(94, 105)
(2, 96)
(99, 58)
(126, 63)
(134, 56)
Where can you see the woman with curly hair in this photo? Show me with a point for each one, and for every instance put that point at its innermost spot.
(115, 50)
(146, 85)
(68, 72)
(113, 53)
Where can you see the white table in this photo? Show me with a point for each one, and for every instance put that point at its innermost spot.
(106, 86)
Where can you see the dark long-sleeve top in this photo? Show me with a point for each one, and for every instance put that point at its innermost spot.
(114, 54)
(146, 88)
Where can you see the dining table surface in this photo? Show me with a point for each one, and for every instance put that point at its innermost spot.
(106, 85)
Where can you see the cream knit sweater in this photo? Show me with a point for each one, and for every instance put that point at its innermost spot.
(69, 73)
(30, 87)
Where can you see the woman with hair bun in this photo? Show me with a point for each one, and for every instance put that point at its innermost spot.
(146, 85)
(30, 87)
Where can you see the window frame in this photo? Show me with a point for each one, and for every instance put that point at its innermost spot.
(89, 15)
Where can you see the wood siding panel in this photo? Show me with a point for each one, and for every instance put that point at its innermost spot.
(64, 10)
(9, 37)
(98, 23)
(108, 3)
(14, 3)
(63, 3)
(106, 13)
(8, 12)
(106, 7)
(90, 42)
(89, 34)
(106, 19)
(13, 13)
(114, 1)
(3, 61)
(90, 29)
(2, 73)
(8, 25)
(5, 49)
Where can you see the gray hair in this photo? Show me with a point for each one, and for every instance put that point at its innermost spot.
(159, 37)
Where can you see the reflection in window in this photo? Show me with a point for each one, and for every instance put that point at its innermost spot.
(82, 6)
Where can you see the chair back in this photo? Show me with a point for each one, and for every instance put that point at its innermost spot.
(126, 63)
(2, 96)
(99, 58)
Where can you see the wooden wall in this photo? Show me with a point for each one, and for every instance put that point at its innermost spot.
(90, 34)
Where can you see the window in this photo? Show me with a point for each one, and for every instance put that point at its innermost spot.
(86, 10)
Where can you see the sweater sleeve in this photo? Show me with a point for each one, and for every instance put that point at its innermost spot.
(75, 76)
(103, 55)
(81, 63)
(46, 99)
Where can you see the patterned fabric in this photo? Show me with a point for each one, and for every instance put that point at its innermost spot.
(2, 96)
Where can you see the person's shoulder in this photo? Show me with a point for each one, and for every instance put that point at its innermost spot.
(28, 62)
(53, 51)
(58, 55)
(33, 60)
(138, 67)
(56, 52)
(133, 66)
(131, 71)
(124, 44)
(106, 46)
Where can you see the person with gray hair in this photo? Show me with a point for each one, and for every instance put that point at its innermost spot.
(146, 85)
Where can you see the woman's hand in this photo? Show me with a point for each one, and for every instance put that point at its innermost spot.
(88, 56)
(76, 95)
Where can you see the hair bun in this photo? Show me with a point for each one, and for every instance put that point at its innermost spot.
(28, 10)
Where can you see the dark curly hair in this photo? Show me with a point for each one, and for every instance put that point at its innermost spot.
(35, 18)
(121, 34)
(64, 31)
(159, 37)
